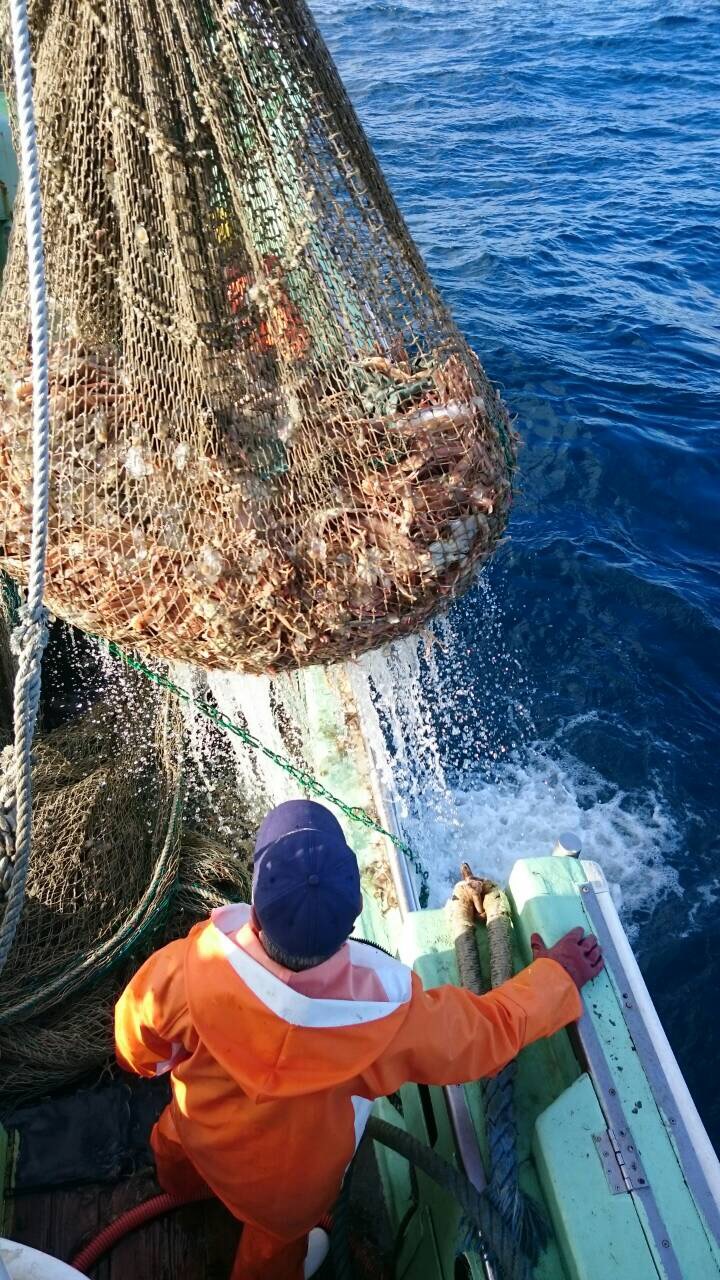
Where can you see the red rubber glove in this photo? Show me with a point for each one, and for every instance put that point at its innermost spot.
(579, 953)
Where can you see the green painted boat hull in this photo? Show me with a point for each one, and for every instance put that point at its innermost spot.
(646, 1212)
(598, 1233)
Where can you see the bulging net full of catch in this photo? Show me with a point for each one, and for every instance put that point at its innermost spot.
(270, 444)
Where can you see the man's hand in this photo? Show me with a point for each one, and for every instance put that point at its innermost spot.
(579, 953)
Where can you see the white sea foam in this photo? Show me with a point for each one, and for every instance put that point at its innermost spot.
(513, 794)
(522, 806)
(454, 742)
(248, 701)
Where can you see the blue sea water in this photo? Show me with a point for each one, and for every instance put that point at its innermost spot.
(559, 166)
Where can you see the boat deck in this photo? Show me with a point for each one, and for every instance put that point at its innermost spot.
(83, 1159)
(196, 1242)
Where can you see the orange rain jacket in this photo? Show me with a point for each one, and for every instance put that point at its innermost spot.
(272, 1088)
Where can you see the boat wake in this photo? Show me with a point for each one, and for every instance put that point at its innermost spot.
(473, 781)
(450, 727)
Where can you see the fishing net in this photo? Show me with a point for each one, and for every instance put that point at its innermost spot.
(56, 1043)
(270, 444)
(68, 1041)
(116, 870)
(105, 855)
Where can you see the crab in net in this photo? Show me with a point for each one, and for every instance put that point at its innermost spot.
(202, 556)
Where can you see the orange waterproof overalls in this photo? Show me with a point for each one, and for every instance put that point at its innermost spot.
(272, 1087)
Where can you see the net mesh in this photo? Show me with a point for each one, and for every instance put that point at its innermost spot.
(270, 444)
(105, 854)
(117, 869)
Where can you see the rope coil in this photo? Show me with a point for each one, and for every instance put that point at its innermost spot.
(473, 897)
(30, 636)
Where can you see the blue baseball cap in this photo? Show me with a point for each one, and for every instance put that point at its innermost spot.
(306, 880)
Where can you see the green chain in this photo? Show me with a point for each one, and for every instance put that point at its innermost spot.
(304, 779)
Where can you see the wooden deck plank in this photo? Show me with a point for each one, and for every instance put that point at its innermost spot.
(196, 1242)
(56, 1221)
(222, 1234)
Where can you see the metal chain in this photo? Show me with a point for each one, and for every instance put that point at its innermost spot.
(304, 779)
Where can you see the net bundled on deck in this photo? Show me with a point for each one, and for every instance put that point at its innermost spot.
(104, 867)
(117, 869)
(271, 446)
(106, 827)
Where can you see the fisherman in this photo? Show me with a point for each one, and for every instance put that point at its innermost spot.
(279, 1033)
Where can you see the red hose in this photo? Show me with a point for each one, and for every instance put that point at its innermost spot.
(122, 1226)
(129, 1221)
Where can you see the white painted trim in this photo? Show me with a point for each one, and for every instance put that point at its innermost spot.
(292, 1006)
(643, 1003)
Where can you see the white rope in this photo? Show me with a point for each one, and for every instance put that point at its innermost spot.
(30, 636)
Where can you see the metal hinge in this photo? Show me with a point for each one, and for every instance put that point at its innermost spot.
(622, 1165)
